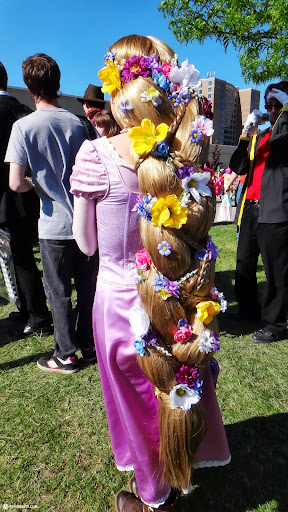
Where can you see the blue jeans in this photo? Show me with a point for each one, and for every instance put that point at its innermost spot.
(63, 261)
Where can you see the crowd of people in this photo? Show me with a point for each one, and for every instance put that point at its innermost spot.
(127, 200)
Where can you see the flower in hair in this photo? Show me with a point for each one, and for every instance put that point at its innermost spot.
(139, 321)
(161, 149)
(188, 375)
(150, 338)
(208, 342)
(151, 95)
(161, 80)
(213, 251)
(140, 347)
(110, 55)
(201, 254)
(185, 171)
(183, 334)
(184, 198)
(207, 310)
(168, 212)
(144, 137)
(110, 77)
(186, 74)
(204, 125)
(215, 294)
(195, 135)
(166, 69)
(164, 248)
(136, 66)
(172, 287)
(196, 185)
(125, 107)
(184, 397)
(159, 282)
(182, 322)
(142, 260)
(143, 206)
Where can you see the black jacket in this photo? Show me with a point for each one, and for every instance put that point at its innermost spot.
(273, 206)
(12, 205)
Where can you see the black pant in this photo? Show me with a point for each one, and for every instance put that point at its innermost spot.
(271, 241)
(63, 261)
(23, 237)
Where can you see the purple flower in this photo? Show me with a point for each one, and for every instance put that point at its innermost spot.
(124, 106)
(134, 67)
(160, 282)
(215, 342)
(161, 80)
(174, 98)
(154, 64)
(213, 251)
(142, 207)
(164, 248)
(184, 172)
(201, 254)
(184, 96)
(195, 135)
(182, 323)
(110, 55)
(172, 287)
(150, 338)
(188, 375)
(161, 149)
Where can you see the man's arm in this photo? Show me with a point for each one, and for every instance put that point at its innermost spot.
(17, 180)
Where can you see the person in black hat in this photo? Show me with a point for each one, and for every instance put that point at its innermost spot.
(92, 101)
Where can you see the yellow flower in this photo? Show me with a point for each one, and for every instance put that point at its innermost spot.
(206, 310)
(144, 137)
(164, 294)
(168, 212)
(158, 393)
(110, 77)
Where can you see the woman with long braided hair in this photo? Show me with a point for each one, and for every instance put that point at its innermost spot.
(155, 340)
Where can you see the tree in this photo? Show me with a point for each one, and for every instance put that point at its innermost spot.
(256, 28)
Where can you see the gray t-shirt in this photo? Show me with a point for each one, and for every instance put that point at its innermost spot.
(48, 140)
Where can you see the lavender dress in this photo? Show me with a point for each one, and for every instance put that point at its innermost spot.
(101, 175)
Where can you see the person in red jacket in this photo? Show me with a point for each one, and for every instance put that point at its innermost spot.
(264, 210)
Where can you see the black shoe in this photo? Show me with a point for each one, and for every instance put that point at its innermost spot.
(267, 336)
(31, 331)
(57, 365)
(89, 355)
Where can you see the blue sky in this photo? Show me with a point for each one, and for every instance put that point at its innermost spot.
(77, 35)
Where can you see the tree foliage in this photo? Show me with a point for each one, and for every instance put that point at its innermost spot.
(256, 28)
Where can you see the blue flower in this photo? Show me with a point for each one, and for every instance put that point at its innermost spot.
(159, 282)
(161, 80)
(182, 323)
(161, 149)
(110, 55)
(195, 135)
(140, 347)
(174, 98)
(164, 248)
(201, 254)
(124, 106)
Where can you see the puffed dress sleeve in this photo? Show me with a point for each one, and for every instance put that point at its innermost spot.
(89, 178)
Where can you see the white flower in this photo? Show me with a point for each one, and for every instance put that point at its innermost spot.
(184, 397)
(196, 185)
(206, 342)
(139, 321)
(223, 302)
(185, 198)
(203, 124)
(185, 72)
(138, 278)
(151, 95)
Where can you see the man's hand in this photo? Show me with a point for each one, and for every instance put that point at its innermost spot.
(252, 121)
(280, 96)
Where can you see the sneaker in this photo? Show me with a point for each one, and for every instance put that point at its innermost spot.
(89, 355)
(267, 336)
(26, 331)
(57, 365)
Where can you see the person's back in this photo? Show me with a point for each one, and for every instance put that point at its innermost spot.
(48, 140)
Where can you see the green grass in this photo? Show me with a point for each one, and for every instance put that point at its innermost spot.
(54, 442)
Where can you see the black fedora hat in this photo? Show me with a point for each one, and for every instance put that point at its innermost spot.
(93, 93)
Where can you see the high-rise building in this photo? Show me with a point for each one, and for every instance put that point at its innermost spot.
(230, 106)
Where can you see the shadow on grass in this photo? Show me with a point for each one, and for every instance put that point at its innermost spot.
(256, 475)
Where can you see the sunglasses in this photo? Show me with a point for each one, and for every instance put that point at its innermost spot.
(277, 105)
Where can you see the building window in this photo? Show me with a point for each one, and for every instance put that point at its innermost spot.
(209, 95)
(200, 91)
(209, 89)
(210, 83)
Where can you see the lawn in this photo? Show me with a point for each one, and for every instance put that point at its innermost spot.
(55, 448)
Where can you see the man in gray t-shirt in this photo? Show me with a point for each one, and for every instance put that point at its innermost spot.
(48, 140)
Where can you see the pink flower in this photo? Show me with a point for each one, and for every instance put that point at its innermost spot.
(142, 260)
(184, 334)
(166, 69)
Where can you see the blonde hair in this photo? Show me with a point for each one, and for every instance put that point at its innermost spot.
(180, 431)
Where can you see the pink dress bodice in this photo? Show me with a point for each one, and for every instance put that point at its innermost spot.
(101, 174)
